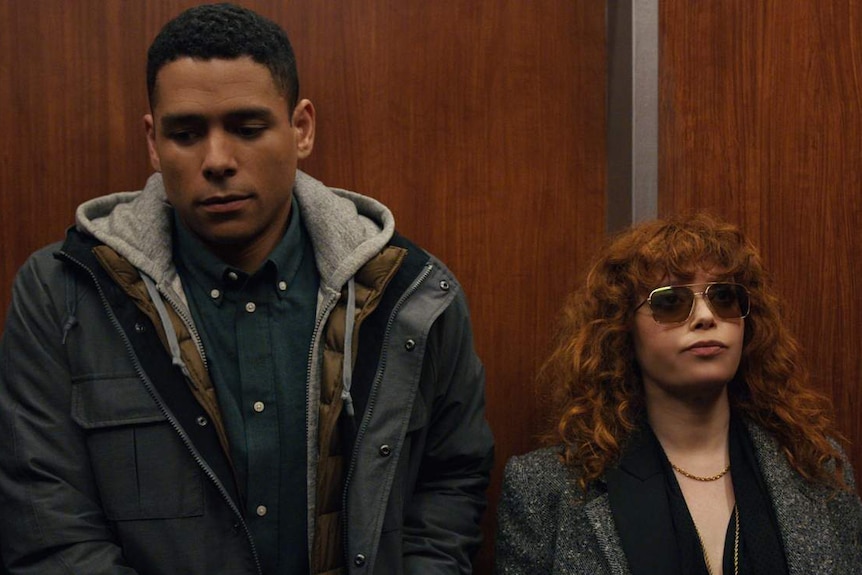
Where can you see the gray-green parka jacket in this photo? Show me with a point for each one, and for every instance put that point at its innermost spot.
(113, 460)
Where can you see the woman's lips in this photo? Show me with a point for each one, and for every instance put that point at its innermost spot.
(708, 351)
(706, 348)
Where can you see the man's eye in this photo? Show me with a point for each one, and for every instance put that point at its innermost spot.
(183, 136)
(250, 131)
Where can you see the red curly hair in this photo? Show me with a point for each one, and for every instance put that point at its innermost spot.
(596, 377)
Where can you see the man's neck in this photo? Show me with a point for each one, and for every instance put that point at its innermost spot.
(246, 258)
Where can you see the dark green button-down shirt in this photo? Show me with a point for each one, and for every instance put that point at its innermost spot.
(257, 331)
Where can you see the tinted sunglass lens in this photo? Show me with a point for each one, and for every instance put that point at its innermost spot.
(671, 304)
(729, 301)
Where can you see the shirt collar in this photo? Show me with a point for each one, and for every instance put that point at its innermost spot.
(210, 272)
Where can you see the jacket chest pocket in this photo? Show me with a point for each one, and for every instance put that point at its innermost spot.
(141, 467)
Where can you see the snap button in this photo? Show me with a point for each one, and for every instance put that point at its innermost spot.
(215, 294)
(258, 406)
(282, 285)
(232, 276)
(444, 285)
(409, 345)
(359, 560)
(250, 307)
(140, 328)
(202, 421)
(261, 510)
(385, 450)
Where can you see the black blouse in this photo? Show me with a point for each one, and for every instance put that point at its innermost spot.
(656, 529)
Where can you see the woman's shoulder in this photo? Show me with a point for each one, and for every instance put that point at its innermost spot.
(544, 460)
(543, 524)
(539, 474)
(773, 460)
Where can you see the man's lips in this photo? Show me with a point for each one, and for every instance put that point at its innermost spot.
(225, 203)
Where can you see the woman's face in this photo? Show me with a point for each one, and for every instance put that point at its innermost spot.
(692, 359)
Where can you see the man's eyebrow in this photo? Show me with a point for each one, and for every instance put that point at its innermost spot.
(240, 114)
(251, 113)
(171, 120)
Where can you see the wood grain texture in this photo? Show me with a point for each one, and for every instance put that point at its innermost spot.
(481, 124)
(761, 122)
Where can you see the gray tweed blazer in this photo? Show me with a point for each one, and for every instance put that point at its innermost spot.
(547, 525)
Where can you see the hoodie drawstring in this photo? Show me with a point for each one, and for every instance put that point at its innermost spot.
(347, 365)
(170, 333)
(71, 303)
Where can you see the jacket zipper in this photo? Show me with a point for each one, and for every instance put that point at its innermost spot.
(164, 410)
(193, 330)
(378, 377)
(311, 519)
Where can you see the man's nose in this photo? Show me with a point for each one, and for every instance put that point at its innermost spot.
(220, 160)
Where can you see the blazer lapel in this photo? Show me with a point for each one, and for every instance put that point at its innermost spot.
(587, 542)
(637, 495)
(809, 538)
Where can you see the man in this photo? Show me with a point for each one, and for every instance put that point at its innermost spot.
(237, 369)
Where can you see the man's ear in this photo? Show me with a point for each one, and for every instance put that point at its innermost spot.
(303, 123)
(150, 129)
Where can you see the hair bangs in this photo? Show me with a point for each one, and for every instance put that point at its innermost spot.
(672, 252)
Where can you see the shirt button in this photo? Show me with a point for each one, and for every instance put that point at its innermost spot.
(261, 510)
(282, 285)
(232, 276)
(250, 307)
(215, 294)
(258, 406)
(359, 560)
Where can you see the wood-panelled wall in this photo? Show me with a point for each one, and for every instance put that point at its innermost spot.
(480, 123)
(761, 122)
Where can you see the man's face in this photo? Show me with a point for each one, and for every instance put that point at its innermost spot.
(227, 146)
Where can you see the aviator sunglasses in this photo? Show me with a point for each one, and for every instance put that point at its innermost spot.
(674, 304)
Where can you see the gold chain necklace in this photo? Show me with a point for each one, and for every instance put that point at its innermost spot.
(735, 543)
(715, 477)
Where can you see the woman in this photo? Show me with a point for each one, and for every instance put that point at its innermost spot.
(689, 440)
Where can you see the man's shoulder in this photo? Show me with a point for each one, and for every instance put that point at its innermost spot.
(47, 252)
(41, 260)
(418, 257)
(415, 257)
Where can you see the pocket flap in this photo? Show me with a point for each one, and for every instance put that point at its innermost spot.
(113, 401)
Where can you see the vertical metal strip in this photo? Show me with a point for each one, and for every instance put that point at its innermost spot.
(632, 131)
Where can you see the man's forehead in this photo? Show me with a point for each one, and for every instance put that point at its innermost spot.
(195, 79)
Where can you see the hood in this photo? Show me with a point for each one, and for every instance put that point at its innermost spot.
(346, 229)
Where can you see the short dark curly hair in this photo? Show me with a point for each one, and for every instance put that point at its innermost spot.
(225, 31)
